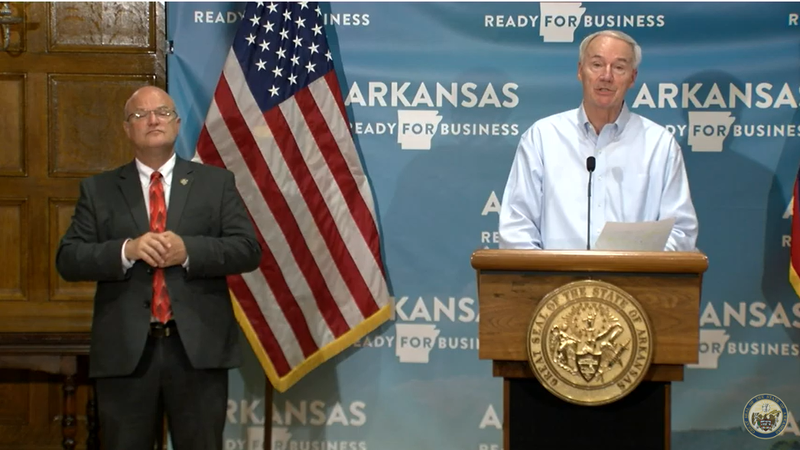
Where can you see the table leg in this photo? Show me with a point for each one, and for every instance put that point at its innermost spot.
(69, 420)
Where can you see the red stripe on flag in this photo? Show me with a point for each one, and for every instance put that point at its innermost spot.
(319, 209)
(286, 221)
(341, 172)
(260, 326)
(209, 154)
(275, 281)
(333, 85)
(350, 194)
(206, 149)
(371, 235)
(277, 204)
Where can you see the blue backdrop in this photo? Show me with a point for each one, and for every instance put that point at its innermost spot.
(478, 75)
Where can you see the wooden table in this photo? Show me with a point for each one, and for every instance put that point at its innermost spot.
(54, 353)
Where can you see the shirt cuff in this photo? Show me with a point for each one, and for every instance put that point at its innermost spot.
(126, 263)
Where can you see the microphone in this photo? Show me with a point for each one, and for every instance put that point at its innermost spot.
(590, 164)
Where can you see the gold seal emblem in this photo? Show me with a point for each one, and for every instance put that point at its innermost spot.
(590, 342)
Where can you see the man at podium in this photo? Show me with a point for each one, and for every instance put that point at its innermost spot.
(576, 170)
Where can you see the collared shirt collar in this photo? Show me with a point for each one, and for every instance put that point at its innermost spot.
(618, 125)
(166, 171)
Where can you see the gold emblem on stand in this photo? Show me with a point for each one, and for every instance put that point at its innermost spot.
(590, 342)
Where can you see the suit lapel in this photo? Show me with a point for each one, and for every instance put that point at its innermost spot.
(131, 188)
(179, 192)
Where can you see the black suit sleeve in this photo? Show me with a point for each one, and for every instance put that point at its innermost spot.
(80, 255)
(235, 251)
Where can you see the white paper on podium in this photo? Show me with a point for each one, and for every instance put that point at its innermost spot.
(635, 236)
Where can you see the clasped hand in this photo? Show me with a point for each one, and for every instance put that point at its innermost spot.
(157, 249)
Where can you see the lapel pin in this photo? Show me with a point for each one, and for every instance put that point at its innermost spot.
(184, 181)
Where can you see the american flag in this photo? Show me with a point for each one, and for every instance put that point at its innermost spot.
(277, 121)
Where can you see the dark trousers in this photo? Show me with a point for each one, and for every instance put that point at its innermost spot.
(195, 401)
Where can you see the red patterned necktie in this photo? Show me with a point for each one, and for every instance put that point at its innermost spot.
(158, 222)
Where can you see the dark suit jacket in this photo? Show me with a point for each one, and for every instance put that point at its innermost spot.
(205, 209)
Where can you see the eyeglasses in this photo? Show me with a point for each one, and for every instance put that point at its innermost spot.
(164, 114)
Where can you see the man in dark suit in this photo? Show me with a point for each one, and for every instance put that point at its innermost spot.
(160, 246)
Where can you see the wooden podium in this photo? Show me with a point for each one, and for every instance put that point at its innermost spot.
(510, 285)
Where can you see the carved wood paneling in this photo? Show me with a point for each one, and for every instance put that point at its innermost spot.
(62, 90)
(102, 27)
(80, 105)
(16, 38)
(60, 216)
(12, 124)
(14, 242)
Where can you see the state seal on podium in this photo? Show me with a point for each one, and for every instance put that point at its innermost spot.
(590, 342)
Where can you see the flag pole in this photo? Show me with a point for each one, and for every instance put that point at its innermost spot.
(268, 415)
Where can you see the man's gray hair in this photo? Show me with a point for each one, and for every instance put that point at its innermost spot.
(637, 51)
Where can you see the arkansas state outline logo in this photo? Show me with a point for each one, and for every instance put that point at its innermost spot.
(765, 416)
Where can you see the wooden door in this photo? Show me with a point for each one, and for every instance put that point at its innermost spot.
(64, 77)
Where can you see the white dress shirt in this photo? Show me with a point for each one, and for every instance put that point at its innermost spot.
(639, 176)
